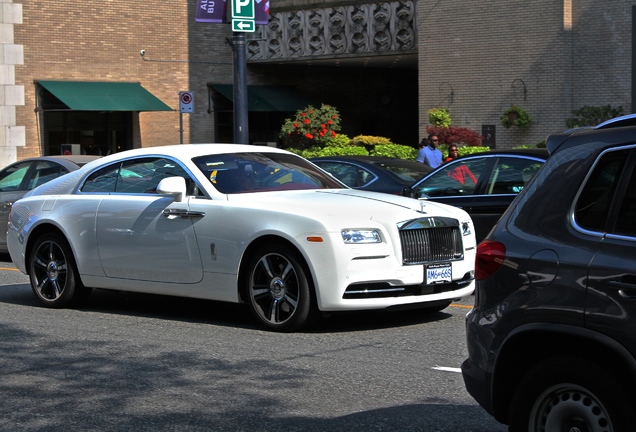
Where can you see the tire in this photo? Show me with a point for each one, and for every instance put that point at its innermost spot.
(570, 394)
(53, 273)
(278, 292)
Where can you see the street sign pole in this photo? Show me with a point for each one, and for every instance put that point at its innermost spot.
(243, 17)
(241, 133)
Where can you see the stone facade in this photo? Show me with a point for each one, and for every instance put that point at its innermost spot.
(12, 133)
(337, 32)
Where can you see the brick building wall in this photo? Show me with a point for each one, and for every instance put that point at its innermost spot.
(101, 41)
(564, 54)
(567, 55)
(602, 53)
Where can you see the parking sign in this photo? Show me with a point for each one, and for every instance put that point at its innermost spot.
(243, 16)
(186, 101)
(243, 9)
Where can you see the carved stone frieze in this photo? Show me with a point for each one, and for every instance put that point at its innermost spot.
(379, 28)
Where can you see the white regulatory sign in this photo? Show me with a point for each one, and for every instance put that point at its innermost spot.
(186, 101)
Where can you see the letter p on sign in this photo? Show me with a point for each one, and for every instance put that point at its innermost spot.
(243, 9)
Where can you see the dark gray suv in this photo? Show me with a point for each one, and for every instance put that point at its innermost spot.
(552, 336)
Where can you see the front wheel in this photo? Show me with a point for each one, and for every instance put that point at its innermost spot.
(53, 273)
(570, 394)
(278, 290)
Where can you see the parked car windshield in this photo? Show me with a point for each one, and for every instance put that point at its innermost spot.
(260, 172)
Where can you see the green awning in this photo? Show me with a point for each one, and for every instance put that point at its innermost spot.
(267, 98)
(104, 96)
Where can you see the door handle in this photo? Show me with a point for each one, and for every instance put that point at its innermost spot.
(181, 213)
(624, 289)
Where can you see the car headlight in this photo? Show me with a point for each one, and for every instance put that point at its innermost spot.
(359, 236)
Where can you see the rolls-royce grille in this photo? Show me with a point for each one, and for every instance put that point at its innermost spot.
(431, 244)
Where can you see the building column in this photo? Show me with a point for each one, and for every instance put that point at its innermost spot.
(12, 136)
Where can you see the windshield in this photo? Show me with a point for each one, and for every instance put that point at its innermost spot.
(260, 172)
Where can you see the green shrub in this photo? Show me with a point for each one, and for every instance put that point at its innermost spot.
(369, 141)
(331, 151)
(310, 127)
(338, 140)
(439, 117)
(540, 144)
(395, 151)
(463, 150)
(592, 115)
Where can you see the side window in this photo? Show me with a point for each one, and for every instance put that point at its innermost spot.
(11, 178)
(350, 175)
(510, 175)
(626, 222)
(593, 204)
(103, 180)
(144, 175)
(44, 172)
(454, 179)
(137, 176)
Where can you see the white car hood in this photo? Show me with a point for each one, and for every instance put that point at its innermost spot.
(348, 203)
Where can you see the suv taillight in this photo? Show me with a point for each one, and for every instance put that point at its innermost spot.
(490, 256)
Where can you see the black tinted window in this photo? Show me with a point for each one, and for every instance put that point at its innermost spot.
(45, 171)
(136, 176)
(511, 174)
(593, 205)
(626, 221)
(351, 175)
(103, 180)
(455, 178)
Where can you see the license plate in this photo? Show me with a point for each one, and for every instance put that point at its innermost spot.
(438, 273)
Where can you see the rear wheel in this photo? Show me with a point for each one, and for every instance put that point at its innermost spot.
(278, 290)
(53, 273)
(570, 394)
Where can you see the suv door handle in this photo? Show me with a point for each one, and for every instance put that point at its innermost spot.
(625, 289)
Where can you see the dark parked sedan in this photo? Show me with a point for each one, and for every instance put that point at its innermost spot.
(374, 173)
(20, 177)
(483, 184)
(551, 339)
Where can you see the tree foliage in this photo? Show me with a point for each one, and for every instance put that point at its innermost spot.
(456, 135)
(310, 127)
(592, 115)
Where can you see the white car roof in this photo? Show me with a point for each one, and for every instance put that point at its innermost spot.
(188, 151)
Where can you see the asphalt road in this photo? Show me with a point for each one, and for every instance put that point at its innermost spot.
(128, 362)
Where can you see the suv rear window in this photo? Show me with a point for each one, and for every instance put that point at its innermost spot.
(593, 204)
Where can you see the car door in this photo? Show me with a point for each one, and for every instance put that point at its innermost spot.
(506, 177)
(455, 183)
(11, 190)
(611, 281)
(141, 235)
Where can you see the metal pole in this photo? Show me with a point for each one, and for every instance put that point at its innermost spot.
(180, 127)
(241, 135)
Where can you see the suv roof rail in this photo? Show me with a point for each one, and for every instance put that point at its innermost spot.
(626, 120)
(554, 141)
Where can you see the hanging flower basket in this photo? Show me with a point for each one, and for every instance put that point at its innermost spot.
(515, 116)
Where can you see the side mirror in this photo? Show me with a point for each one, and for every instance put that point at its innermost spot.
(407, 192)
(175, 186)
